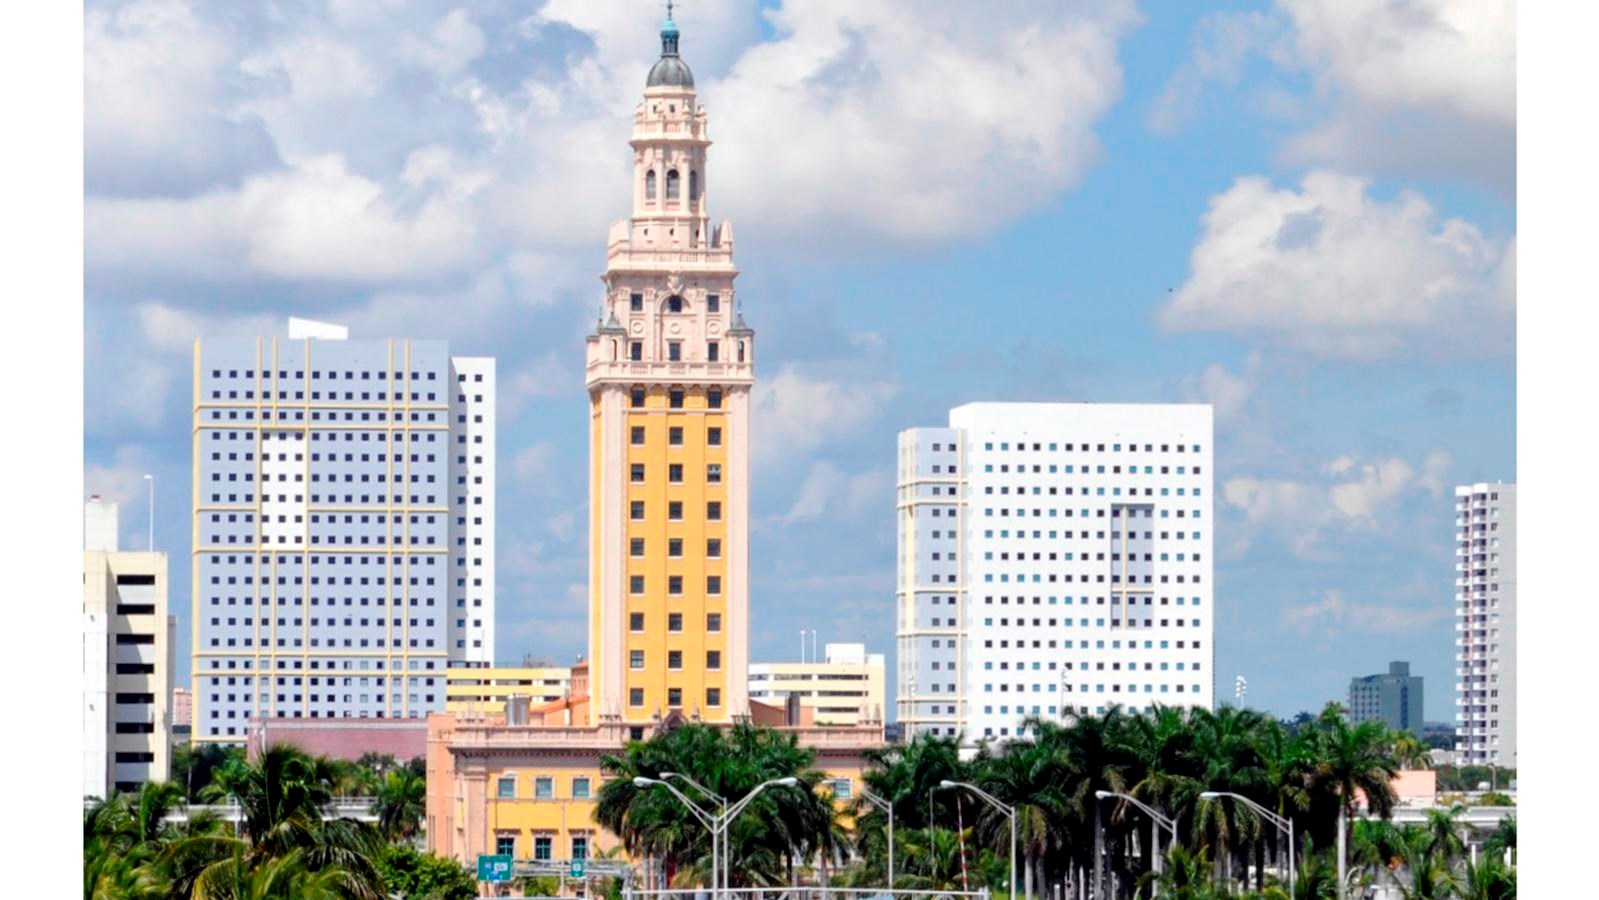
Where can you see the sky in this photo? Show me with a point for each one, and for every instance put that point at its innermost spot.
(1301, 212)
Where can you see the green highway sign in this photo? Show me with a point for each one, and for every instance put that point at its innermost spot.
(577, 868)
(492, 867)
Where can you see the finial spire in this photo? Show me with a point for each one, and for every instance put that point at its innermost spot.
(669, 32)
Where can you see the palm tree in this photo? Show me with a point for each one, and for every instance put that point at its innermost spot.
(1503, 839)
(1351, 759)
(1026, 776)
(1487, 879)
(1410, 752)
(1093, 750)
(402, 802)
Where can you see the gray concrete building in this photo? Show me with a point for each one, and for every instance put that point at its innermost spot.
(1394, 698)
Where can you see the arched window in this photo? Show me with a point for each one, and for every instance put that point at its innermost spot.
(674, 303)
(649, 185)
(740, 351)
(693, 186)
(671, 184)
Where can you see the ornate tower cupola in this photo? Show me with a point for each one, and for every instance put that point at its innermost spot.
(669, 369)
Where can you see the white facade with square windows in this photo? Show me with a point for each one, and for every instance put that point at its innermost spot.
(1054, 558)
(1485, 624)
(343, 527)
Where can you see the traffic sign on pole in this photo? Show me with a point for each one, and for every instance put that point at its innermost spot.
(577, 869)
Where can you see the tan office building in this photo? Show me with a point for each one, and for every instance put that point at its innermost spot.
(486, 690)
(843, 690)
(127, 660)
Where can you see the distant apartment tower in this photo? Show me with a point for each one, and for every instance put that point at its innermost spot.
(1054, 558)
(1485, 623)
(343, 526)
(844, 690)
(127, 660)
(1394, 699)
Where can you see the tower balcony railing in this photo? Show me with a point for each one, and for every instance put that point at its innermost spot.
(667, 370)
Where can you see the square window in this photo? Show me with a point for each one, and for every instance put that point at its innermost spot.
(635, 546)
(635, 302)
(713, 548)
(713, 437)
(507, 787)
(636, 509)
(713, 353)
(713, 659)
(674, 436)
(636, 472)
(713, 696)
(674, 547)
(635, 584)
(713, 473)
(674, 696)
(713, 622)
(635, 351)
(674, 660)
(635, 659)
(674, 621)
(635, 697)
(674, 510)
(674, 585)
(674, 473)
(638, 435)
(713, 510)
(635, 621)
(544, 788)
(637, 397)
(674, 351)
(713, 303)
(713, 584)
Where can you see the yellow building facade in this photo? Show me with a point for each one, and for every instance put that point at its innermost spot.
(669, 370)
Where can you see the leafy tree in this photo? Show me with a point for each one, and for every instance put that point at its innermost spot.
(401, 804)
(1350, 759)
(412, 875)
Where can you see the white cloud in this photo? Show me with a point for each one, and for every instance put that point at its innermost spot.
(317, 221)
(1226, 392)
(1222, 45)
(1423, 84)
(795, 414)
(1333, 610)
(1331, 270)
(1410, 87)
(913, 120)
(830, 492)
(1351, 495)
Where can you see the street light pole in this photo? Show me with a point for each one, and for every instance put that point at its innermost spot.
(1284, 824)
(1155, 819)
(1010, 813)
(705, 818)
(887, 807)
(723, 803)
(737, 808)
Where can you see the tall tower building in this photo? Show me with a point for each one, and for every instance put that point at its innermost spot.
(343, 535)
(1054, 558)
(127, 660)
(1485, 623)
(669, 366)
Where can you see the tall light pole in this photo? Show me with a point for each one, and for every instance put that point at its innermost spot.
(723, 804)
(887, 807)
(706, 819)
(1010, 813)
(737, 808)
(1285, 825)
(1156, 819)
(150, 539)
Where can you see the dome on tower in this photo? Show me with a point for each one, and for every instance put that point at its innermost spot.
(669, 70)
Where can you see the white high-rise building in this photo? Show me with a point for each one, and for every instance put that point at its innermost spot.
(127, 660)
(1054, 558)
(1485, 624)
(343, 526)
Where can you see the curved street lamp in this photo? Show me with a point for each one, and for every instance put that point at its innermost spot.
(1285, 825)
(1157, 819)
(1010, 812)
(887, 807)
(706, 819)
(721, 802)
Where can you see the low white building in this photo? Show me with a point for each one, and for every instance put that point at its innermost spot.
(127, 660)
(1054, 558)
(843, 690)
